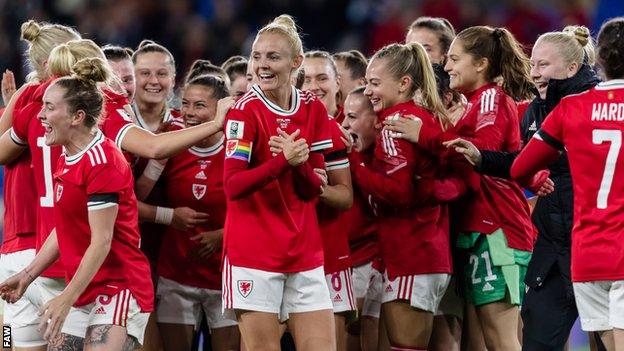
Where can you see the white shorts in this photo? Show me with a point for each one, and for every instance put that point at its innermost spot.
(361, 279)
(183, 304)
(23, 315)
(280, 293)
(340, 288)
(423, 291)
(452, 304)
(600, 304)
(372, 300)
(120, 310)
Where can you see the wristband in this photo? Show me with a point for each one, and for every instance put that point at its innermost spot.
(164, 215)
(153, 170)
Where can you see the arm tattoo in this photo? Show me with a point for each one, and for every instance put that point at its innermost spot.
(97, 334)
(131, 344)
(66, 342)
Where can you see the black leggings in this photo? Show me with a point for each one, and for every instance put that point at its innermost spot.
(548, 314)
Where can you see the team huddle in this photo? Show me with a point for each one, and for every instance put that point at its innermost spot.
(355, 203)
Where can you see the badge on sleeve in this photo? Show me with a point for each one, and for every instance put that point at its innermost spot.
(235, 129)
(238, 149)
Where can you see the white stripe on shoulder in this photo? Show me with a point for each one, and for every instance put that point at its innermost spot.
(243, 99)
(254, 98)
(91, 159)
(488, 98)
(101, 151)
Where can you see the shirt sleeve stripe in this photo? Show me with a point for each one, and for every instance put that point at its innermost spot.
(17, 139)
(100, 206)
(321, 145)
(548, 139)
(336, 155)
(340, 164)
(122, 133)
(101, 198)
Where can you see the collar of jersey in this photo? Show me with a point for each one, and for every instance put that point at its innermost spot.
(208, 151)
(294, 101)
(97, 138)
(611, 84)
(141, 122)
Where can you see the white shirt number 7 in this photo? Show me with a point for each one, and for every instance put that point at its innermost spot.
(599, 136)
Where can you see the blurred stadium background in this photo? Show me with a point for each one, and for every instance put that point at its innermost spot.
(217, 29)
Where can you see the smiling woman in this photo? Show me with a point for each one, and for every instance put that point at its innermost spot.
(154, 69)
(95, 213)
(284, 254)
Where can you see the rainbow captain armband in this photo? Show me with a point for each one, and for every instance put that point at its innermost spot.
(238, 149)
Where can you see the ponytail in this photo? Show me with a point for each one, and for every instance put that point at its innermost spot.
(514, 66)
(430, 98)
(505, 57)
(412, 60)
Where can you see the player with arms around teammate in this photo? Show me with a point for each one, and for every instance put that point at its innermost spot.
(95, 211)
(496, 234)
(413, 239)
(19, 240)
(273, 255)
(588, 126)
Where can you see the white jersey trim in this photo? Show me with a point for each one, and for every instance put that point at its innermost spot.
(611, 84)
(295, 101)
(208, 151)
(92, 206)
(338, 164)
(141, 122)
(17, 140)
(97, 139)
(122, 134)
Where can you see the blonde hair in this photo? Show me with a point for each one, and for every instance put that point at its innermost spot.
(65, 56)
(574, 44)
(42, 38)
(81, 90)
(286, 26)
(412, 60)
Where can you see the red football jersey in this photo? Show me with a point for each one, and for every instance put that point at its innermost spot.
(97, 177)
(269, 224)
(194, 178)
(19, 195)
(27, 130)
(491, 123)
(412, 239)
(589, 125)
(152, 233)
(333, 223)
(362, 229)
